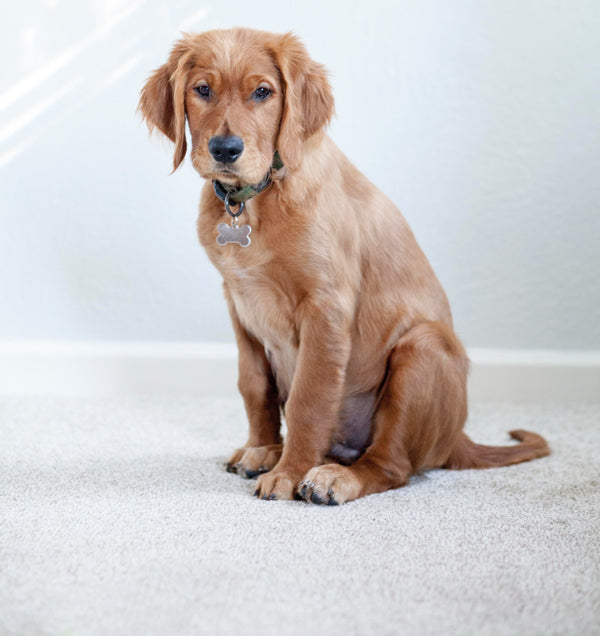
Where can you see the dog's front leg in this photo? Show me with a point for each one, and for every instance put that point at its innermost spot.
(257, 386)
(313, 406)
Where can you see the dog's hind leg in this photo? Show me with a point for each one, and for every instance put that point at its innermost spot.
(422, 410)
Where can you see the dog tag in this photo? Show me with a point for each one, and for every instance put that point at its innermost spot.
(234, 234)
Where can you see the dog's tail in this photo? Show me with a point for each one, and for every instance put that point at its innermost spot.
(468, 454)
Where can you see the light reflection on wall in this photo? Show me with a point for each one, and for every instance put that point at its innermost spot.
(64, 54)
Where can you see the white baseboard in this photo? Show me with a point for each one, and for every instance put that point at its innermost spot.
(121, 368)
(117, 368)
(534, 375)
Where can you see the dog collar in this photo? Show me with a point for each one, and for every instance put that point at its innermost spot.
(239, 195)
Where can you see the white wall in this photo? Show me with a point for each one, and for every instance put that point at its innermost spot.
(481, 119)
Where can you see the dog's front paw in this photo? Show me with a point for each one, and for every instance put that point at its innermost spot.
(277, 484)
(250, 462)
(330, 484)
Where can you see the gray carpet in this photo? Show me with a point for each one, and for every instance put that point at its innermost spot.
(117, 517)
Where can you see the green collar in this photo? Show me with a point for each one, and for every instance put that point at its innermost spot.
(239, 195)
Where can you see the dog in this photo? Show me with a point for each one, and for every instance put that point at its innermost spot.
(340, 321)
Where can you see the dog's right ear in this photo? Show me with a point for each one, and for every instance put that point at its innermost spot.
(162, 101)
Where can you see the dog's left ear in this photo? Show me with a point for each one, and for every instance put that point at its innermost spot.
(162, 102)
(308, 99)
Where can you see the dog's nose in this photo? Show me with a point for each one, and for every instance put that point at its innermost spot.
(226, 149)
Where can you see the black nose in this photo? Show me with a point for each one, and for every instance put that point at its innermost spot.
(226, 149)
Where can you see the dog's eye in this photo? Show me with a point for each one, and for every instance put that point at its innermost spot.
(203, 90)
(262, 93)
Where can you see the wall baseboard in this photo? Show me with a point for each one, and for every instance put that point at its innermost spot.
(534, 375)
(121, 368)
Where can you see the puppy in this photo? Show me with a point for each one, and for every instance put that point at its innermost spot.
(340, 321)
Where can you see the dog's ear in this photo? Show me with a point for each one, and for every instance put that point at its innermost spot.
(308, 99)
(162, 101)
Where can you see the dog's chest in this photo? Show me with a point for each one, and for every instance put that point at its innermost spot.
(261, 304)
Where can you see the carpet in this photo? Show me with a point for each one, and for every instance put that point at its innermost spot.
(117, 517)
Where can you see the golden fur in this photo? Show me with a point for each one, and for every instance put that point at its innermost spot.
(339, 318)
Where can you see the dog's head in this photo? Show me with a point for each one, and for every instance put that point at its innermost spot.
(245, 95)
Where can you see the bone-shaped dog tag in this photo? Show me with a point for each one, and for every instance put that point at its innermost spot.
(234, 234)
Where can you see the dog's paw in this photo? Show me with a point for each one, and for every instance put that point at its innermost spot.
(277, 484)
(251, 462)
(330, 484)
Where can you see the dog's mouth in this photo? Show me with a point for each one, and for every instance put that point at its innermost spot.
(226, 176)
(229, 176)
(220, 173)
(224, 172)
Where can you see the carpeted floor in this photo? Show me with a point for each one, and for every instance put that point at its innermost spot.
(117, 517)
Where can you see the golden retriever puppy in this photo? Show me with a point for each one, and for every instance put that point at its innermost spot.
(340, 321)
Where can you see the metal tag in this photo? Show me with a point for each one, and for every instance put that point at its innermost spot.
(234, 234)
